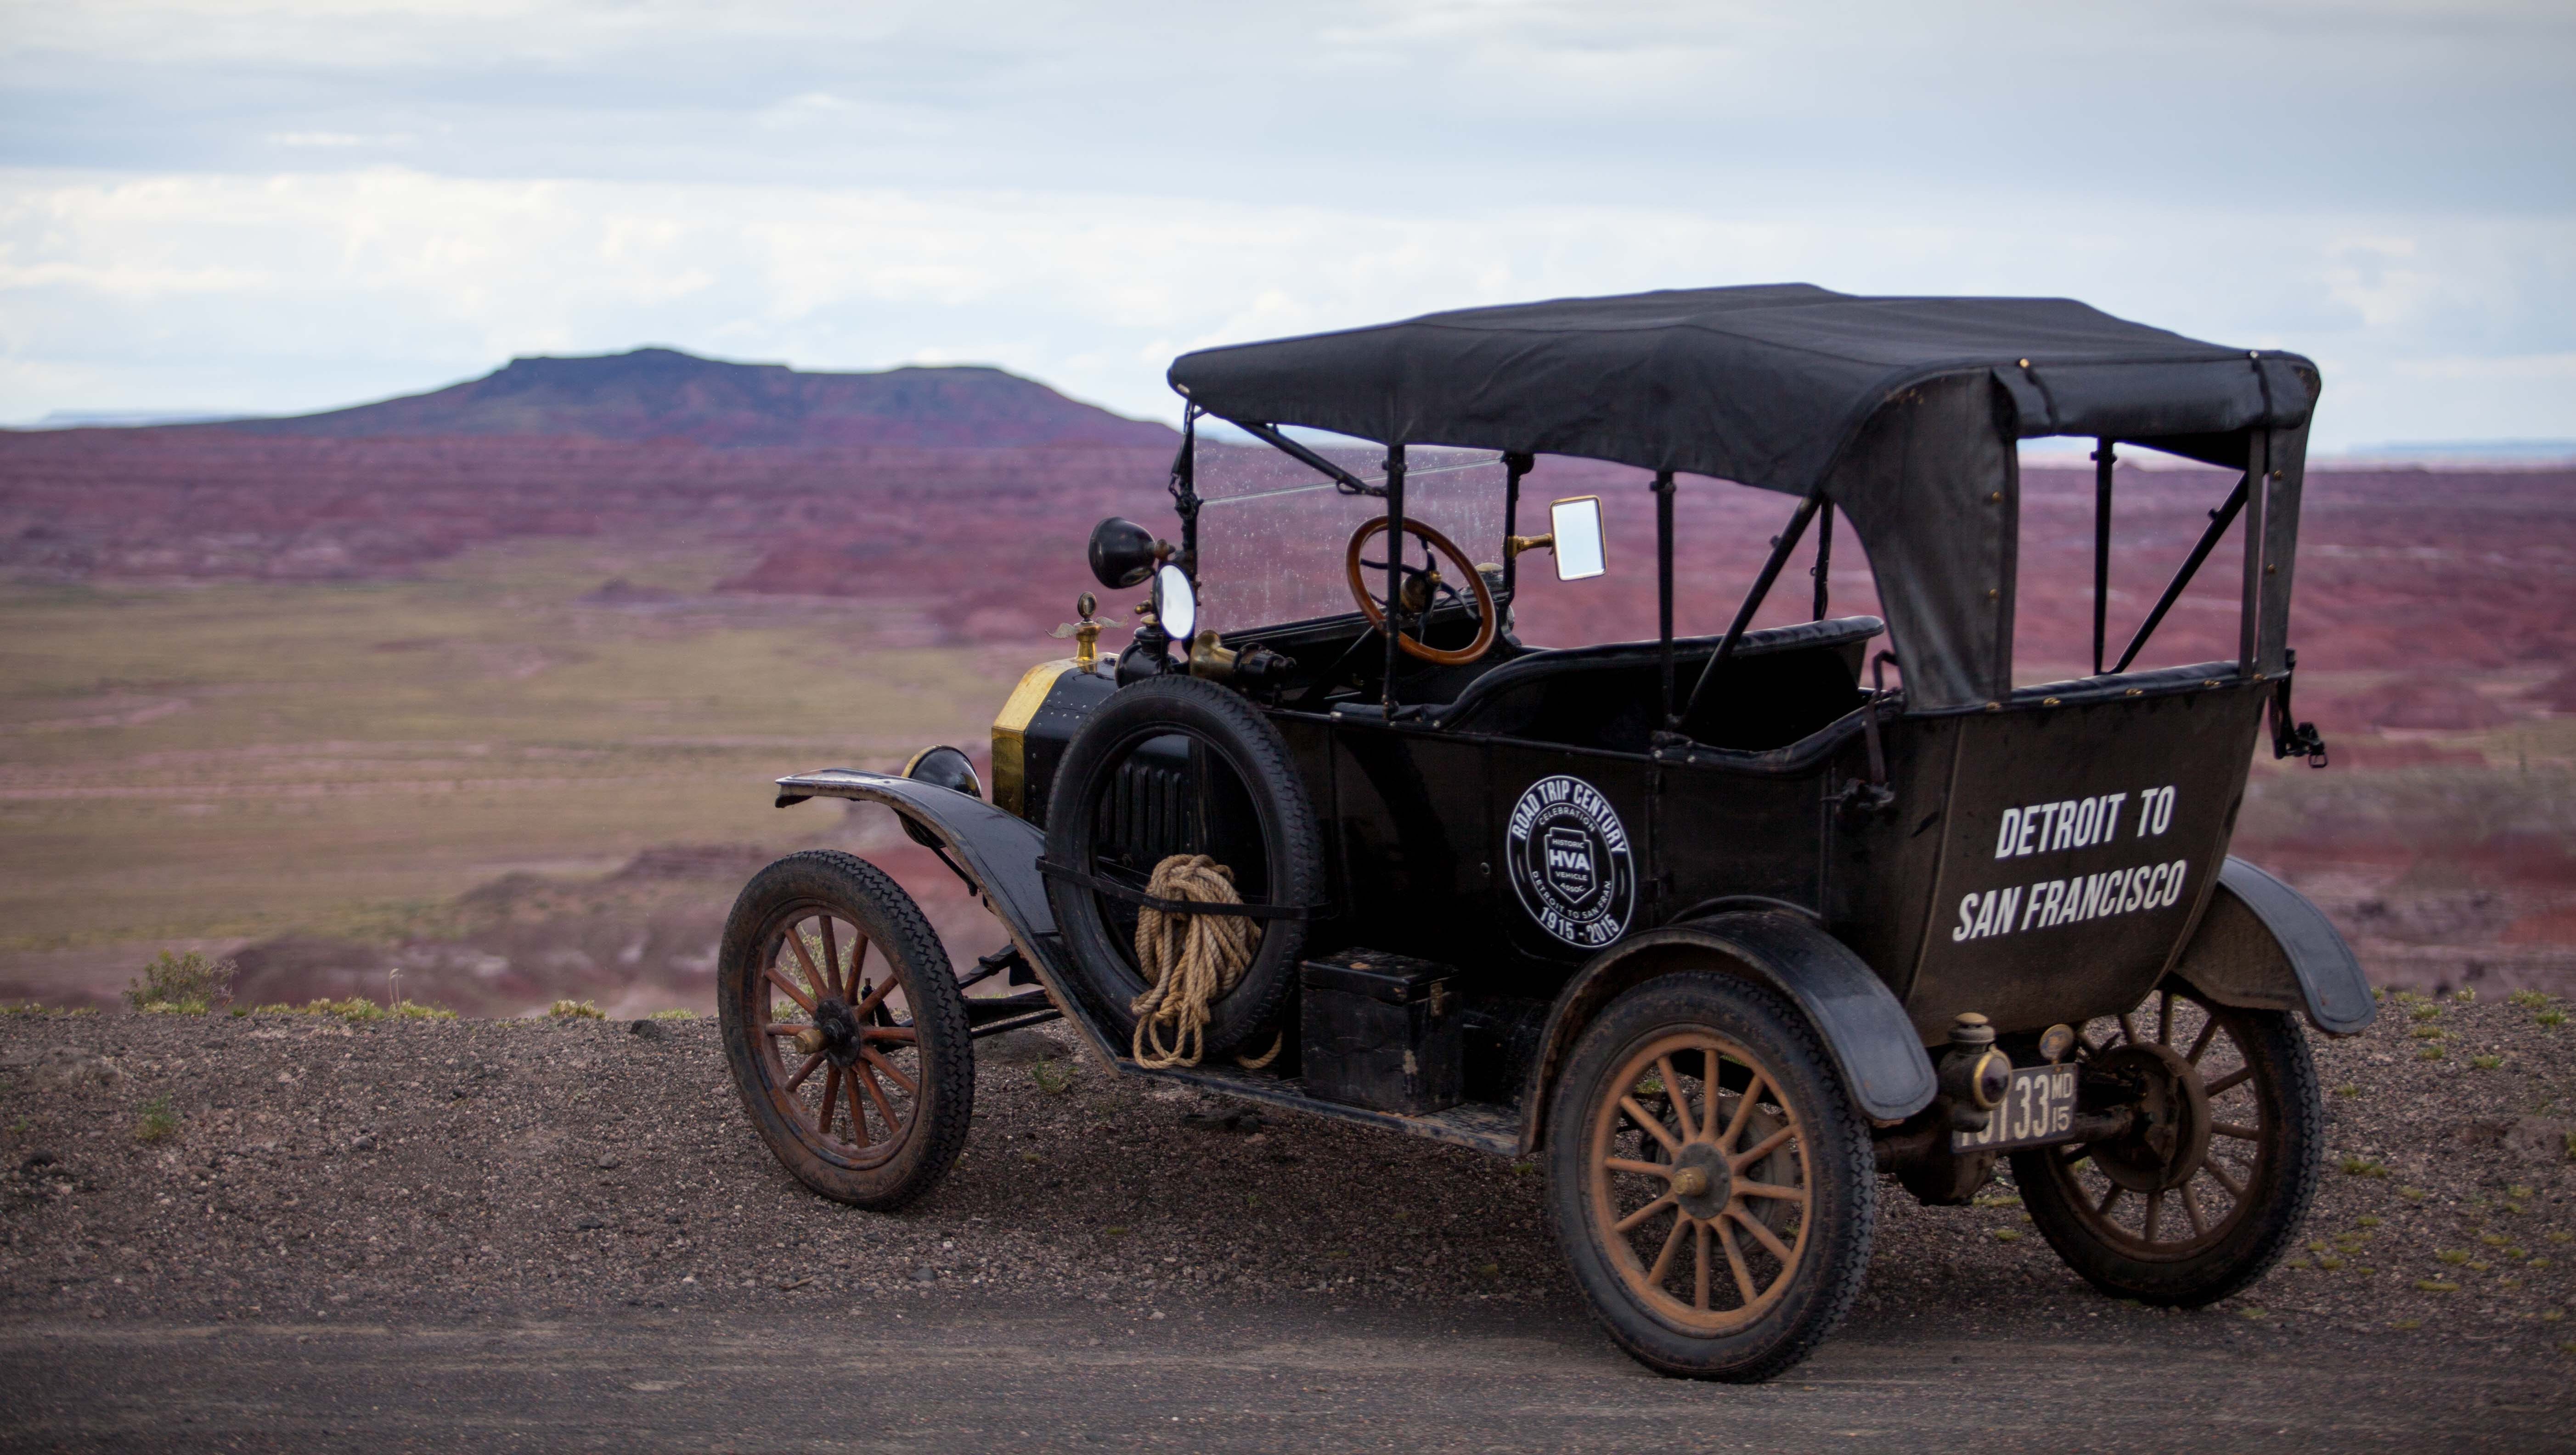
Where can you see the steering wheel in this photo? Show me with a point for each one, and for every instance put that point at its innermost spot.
(1422, 590)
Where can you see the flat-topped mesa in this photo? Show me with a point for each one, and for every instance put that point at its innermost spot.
(660, 393)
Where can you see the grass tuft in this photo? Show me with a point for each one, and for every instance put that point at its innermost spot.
(2006, 1235)
(2552, 1017)
(673, 1014)
(2348, 1089)
(358, 1010)
(188, 984)
(2486, 1063)
(1051, 1076)
(2362, 1167)
(2527, 999)
(2435, 1285)
(2452, 1256)
(574, 1010)
(158, 1123)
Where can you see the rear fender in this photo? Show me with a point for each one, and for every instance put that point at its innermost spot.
(996, 849)
(1863, 1025)
(2263, 946)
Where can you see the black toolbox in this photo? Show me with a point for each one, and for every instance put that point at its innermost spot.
(1380, 1031)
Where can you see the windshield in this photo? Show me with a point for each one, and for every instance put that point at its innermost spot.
(1272, 530)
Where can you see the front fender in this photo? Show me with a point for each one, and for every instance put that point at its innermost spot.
(996, 849)
(2263, 946)
(1863, 1025)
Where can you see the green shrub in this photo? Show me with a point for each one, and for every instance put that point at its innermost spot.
(157, 1123)
(188, 984)
(1051, 1076)
(358, 1010)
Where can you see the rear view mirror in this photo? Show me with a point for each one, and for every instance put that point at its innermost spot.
(1576, 524)
(1176, 606)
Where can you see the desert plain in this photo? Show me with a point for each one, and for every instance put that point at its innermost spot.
(485, 718)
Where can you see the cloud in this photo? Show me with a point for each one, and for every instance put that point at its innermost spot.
(197, 206)
(334, 286)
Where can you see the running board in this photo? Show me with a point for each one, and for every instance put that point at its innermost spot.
(1479, 1125)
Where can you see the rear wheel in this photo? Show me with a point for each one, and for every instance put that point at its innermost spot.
(1708, 1179)
(2208, 1188)
(845, 1030)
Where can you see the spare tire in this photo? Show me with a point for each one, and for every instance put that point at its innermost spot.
(1176, 765)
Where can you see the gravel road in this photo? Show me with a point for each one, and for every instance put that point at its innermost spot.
(249, 1221)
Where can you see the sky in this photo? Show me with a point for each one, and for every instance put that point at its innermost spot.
(276, 207)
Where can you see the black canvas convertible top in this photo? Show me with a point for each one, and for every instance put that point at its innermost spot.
(1762, 385)
(1901, 411)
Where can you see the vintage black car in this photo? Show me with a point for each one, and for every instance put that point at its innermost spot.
(1720, 927)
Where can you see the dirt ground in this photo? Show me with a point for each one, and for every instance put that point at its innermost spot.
(248, 1221)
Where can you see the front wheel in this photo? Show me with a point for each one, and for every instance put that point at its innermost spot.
(2208, 1187)
(845, 1029)
(1708, 1179)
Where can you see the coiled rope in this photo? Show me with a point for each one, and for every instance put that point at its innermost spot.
(1189, 961)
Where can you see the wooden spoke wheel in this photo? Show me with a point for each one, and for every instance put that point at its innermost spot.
(1423, 592)
(1710, 1182)
(2209, 1184)
(846, 1030)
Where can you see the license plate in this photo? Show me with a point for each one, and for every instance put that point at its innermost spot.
(2039, 1109)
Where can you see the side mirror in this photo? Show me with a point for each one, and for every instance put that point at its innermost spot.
(1176, 606)
(1576, 524)
(1123, 553)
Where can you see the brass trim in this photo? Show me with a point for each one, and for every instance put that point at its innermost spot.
(1010, 734)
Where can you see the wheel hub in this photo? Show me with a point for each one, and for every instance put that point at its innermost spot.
(2169, 1139)
(838, 1031)
(1703, 1184)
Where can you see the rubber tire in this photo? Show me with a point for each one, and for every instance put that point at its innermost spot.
(2293, 1161)
(1842, 1171)
(1225, 721)
(862, 893)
